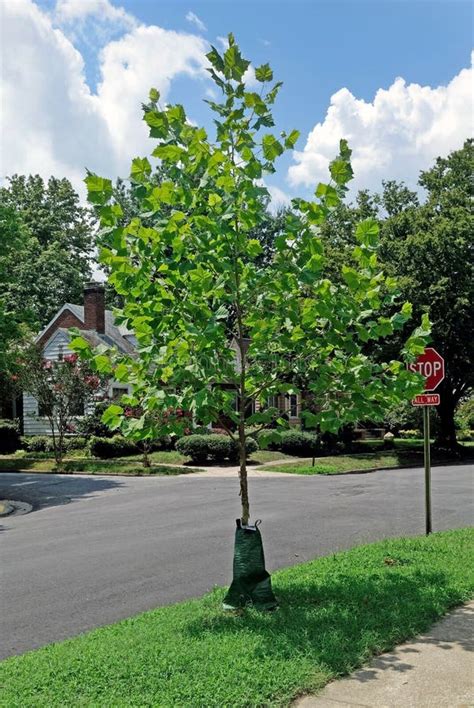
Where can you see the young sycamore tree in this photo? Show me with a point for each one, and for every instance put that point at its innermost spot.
(216, 327)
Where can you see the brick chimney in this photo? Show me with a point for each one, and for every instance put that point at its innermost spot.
(94, 307)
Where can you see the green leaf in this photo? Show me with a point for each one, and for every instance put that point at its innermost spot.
(367, 233)
(121, 372)
(173, 153)
(112, 415)
(291, 139)
(234, 64)
(99, 189)
(272, 148)
(79, 344)
(214, 199)
(341, 171)
(263, 73)
(157, 122)
(216, 59)
(254, 247)
(351, 277)
(140, 169)
(154, 95)
(102, 364)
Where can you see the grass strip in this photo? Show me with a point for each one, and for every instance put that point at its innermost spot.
(344, 464)
(87, 465)
(335, 613)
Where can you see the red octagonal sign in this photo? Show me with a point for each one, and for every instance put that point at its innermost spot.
(430, 364)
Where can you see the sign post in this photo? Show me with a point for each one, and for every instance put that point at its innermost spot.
(427, 457)
(430, 364)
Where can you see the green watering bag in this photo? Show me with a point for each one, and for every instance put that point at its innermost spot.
(251, 584)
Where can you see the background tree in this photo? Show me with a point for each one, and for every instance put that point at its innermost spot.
(55, 259)
(196, 261)
(428, 246)
(64, 389)
(12, 242)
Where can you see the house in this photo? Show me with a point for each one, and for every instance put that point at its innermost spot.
(289, 404)
(96, 324)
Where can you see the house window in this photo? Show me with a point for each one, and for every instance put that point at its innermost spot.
(118, 392)
(293, 405)
(272, 402)
(249, 408)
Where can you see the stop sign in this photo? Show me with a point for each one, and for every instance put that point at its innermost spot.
(430, 364)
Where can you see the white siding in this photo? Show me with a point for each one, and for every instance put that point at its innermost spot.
(32, 424)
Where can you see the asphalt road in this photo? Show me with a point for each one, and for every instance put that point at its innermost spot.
(98, 549)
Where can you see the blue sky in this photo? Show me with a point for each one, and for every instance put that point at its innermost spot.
(352, 48)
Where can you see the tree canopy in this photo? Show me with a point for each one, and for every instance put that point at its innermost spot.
(55, 257)
(426, 242)
(189, 258)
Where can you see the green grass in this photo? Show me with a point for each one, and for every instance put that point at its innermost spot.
(335, 613)
(342, 464)
(263, 456)
(87, 465)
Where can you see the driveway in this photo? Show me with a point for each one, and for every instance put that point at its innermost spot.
(98, 549)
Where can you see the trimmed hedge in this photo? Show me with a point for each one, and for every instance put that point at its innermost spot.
(44, 443)
(9, 437)
(118, 446)
(410, 434)
(297, 442)
(465, 435)
(201, 448)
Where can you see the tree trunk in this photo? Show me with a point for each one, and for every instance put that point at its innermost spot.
(244, 493)
(446, 435)
(145, 459)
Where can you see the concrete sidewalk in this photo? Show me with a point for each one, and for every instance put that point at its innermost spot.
(434, 671)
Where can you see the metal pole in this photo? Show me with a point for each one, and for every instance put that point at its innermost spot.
(426, 433)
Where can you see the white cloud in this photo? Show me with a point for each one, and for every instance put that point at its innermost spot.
(279, 198)
(395, 136)
(148, 56)
(68, 11)
(195, 20)
(51, 121)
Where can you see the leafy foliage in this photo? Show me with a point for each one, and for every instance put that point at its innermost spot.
(63, 389)
(297, 442)
(218, 448)
(213, 325)
(53, 261)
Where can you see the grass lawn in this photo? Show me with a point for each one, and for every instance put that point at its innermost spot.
(263, 456)
(335, 613)
(90, 465)
(342, 464)
(77, 462)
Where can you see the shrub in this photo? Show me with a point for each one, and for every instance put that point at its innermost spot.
(37, 443)
(464, 415)
(200, 448)
(118, 446)
(465, 435)
(297, 442)
(91, 425)
(44, 443)
(9, 437)
(410, 434)
(75, 442)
